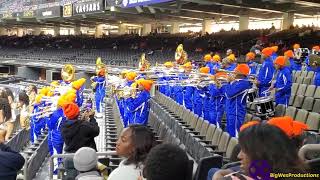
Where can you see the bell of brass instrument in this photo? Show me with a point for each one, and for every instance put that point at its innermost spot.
(144, 64)
(181, 56)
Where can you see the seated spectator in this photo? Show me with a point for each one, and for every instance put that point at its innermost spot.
(5, 116)
(166, 162)
(269, 147)
(134, 145)
(23, 105)
(77, 132)
(10, 122)
(10, 162)
(85, 161)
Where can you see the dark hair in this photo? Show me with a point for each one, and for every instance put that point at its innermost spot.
(24, 98)
(5, 106)
(9, 93)
(34, 88)
(271, 144)
(143, 140)
(166, 161)
(234, 155)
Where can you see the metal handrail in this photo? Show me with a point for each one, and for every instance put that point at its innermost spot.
(70, 155)
(308, 148)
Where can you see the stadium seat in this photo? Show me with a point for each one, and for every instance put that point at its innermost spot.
(308, 103)
(316, 106)
(231, 145)
(291, 100)
(313, 121)
(307, 80)
(310, 74)
(310, 91)
(291, 111)
(302, 115)
(299, 80)
(280, 110)
(303, 74)
(298, 101)
(317, 93)
(302, 89)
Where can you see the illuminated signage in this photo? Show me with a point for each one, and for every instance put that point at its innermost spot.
(87, 7)
(133, 3)
(51, 12)
(67, 10)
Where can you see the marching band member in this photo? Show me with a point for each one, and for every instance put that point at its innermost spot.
(207, 103)
(166, 88)
(36, 123)
(199, 95)
(250, 56)
(139, 106)
(216, 63)
(283, 82)
(177, 89)
(217, 100)
(266, 72)
(208, 60)
(274, 53)
(236, 94)
(288, 55)
(99, 85)
(227, 64)
(188, 90)
(120, 101)
(297, 57)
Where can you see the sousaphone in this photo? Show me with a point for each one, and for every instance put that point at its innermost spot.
(181, 56)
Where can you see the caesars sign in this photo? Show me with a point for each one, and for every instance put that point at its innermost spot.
(88, 7)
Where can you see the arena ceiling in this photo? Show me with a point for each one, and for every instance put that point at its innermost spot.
(186, 11)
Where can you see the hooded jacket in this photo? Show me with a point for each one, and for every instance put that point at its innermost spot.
(79, 133)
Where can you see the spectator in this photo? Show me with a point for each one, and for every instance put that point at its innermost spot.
(134, 145)
(270, 144)
(77, 132)
(24, 110)
(85, 161)
(10, 122)
(10, 162)
(166, 162)
(5, 115)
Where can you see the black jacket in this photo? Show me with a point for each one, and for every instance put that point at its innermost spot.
(79, 133)
(10, 163)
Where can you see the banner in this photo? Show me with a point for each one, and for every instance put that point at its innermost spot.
(52, 12)
(88, 7)
(133, 3)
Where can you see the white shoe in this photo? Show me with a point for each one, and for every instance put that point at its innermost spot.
(99, 115)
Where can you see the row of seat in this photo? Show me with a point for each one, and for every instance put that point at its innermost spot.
(200, 138)
(305, 96)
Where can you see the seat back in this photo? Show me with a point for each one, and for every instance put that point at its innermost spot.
(216, 136)
(291, 111)
(308, 103)
(210, 132)
(313, 121)
(232, 143)
(302, 89)
(310, 90)
(317, 93)
(294, 88)
(302, 115)
(199, 124)
(205, 164)
(204, 128)
(223, 142)
(280, 110)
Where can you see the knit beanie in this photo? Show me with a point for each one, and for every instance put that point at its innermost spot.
(85, 159)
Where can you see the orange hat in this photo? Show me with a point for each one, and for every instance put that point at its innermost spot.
(168, 64)
(251, 55)
(187, 65)
(130, 76)
(289, 53)
(296, 46)
(288, 125)
(243, 69)
(232, 57)
(280, 61)
(216, 58)
(317, 48)
(207, 57)
(204, 70)
(71, 110)
(267, 51)
(274, 48)
(147, 84)
(248, 124)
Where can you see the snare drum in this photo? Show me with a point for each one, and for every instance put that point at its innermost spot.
(252, 94)
(264, 106)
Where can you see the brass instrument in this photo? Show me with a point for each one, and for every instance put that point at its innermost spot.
(68, 73)
(100, 71)
(144, 64)
(181, 56)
